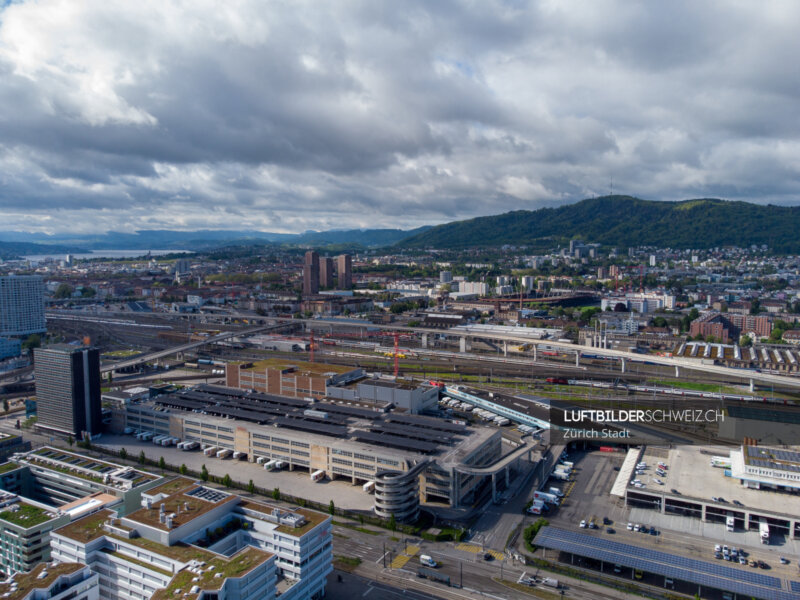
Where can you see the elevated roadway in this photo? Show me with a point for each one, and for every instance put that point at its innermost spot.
(623, 356)
(150, 356)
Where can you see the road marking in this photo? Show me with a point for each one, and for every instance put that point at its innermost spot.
(411, 550)
(400, 561)
(364, 595)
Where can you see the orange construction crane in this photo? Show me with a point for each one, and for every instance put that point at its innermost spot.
(396, 354)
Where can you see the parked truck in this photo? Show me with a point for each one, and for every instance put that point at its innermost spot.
(546, 497)
(224, 453)
(763, 529)
(368, 487)
(730, 522)
(561, 475)
(537, 507)
(318, 476)
(556, 491)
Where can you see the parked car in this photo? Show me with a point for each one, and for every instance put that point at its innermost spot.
(630, 526)
(583, 524)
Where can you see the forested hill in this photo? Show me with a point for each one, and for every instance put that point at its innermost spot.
(626, 221)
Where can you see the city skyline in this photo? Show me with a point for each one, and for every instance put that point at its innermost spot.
(338, 116)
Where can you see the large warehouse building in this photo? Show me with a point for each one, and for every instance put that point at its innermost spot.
(449, 461)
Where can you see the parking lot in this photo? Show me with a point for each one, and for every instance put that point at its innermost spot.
(587, 496)
(297, 483)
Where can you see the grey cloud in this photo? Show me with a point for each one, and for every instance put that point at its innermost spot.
(314, 115)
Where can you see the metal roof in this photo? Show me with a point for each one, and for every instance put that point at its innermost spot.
(719, 576)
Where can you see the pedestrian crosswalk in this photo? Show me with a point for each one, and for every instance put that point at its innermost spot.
(401, 560)
(475, 549)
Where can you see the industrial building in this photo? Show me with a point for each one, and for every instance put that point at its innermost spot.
(762, 482)
(190, 541)
(298, 380)
(68, 390)
(21, 305)
(343, 440)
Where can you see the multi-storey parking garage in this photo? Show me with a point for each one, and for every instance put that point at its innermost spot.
(341, 440)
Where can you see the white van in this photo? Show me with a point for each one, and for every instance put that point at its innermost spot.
(427, 561)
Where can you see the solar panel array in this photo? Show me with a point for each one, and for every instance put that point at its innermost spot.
(412, 432)
(767, 457)
(350, 411)
(394, 441)
(795, 585)
(429, 422)
(764, 414)
(713, 575)
(312, 426)
(407, 432)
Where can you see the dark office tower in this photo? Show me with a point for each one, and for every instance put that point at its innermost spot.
(345, 271)
(326, 272)
(68, 389)
(311, 273)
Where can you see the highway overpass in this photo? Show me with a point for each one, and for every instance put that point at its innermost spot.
(150, 356)
(623, 356)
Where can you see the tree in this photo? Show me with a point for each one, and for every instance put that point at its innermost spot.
(331, 508)
(659, 322)
(123, 454)
(184, 469)
(162, 464)
(64, 290)
(142, 457)
(251, 487)
(226, 481)
(745, 341)
(88, 292)
(204, 473)
(276, 494)
(776, 334)
(392, 522)
(5, 406)
(32, 341)
(70, 440)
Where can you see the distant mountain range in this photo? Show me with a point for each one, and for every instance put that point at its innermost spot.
(22, 243)
(626, 221)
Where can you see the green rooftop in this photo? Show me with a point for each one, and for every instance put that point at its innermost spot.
(27, 516)
(236, 566)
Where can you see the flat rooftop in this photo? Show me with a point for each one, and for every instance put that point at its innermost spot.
(690, 472)
(527, 405)
(27, 582)
(237, 565)
(300, 367)
(312, 517)
(26, 515)
(84, 467)
(88, 528)
(186, 505)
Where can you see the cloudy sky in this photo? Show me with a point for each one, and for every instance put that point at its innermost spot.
(290, 115)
